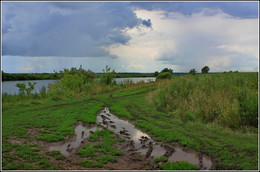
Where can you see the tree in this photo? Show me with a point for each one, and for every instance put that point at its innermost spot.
(156, 73)
(192, 72)
(205, 69)
(167, 70)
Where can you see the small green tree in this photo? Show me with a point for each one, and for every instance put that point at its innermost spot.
(30, 89)
(23, 90)
(108, 75)
(192, 72)
(205, 69)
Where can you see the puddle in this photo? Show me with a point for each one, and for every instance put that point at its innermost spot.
(192, 157)
(70, 146)
(137, 141)
(145, 145)
(123, 128)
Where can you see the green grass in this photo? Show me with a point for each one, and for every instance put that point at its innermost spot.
(229, 99)
(213, 114)
(53, 121)
(131, 92)
(56, 154)
(161, 159)
(182, 165)
(24, 157)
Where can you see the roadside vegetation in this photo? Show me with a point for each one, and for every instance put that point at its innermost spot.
(215, 114)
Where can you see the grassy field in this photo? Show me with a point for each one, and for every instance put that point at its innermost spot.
(214, 114)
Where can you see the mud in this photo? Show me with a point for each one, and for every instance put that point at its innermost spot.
(140, 149)
(144, 145)
(81, 133)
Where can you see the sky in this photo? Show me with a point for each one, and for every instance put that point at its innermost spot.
(39, 37)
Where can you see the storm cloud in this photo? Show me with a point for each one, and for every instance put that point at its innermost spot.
(64, 29)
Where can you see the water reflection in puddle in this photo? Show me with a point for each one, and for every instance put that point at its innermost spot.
(122, 128)
(145, 145)
(81, 133)
(138, 141)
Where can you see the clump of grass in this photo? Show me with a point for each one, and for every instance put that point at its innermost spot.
(27, 158)
(86, 151)
(56, 154)
(102, 151)
(161, 159)
(182, 165)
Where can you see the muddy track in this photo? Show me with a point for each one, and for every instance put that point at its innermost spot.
(120, 97)
(136, 117)
(62, 105)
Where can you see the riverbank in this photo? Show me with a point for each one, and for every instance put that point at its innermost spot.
(32, 125)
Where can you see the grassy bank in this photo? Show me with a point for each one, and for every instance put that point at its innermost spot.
(190, 110)
(229, 99)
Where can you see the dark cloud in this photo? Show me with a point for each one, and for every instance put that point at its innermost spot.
(81, 28)
(147, 23)
(238, 9)
(64, 29)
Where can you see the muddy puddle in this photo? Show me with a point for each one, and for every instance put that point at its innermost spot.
(137, 141)
(69, 147)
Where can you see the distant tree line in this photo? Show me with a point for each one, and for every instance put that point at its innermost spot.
(167, 73)
(21, 76)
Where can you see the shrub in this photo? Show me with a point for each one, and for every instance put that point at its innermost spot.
(164, 75)
(23, 90)
(108, 76)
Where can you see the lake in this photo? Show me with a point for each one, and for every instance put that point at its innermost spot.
(10, 88)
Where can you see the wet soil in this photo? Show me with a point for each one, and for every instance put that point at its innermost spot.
(139, 148)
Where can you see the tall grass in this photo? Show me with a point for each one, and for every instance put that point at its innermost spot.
(230, 99)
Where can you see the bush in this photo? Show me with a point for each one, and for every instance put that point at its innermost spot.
(23, 90)
(164, 75)
(108, 76)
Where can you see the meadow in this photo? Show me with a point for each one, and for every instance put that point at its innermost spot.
(214, 114)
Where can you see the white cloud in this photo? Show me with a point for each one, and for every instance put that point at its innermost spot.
(27, 69)
(210, 37)
(245, 49)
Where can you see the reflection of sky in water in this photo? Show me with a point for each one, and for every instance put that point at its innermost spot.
(180, 155)
(191, 156)
(65, 148)
(157, 150)
(128, 131)
(121, 125)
